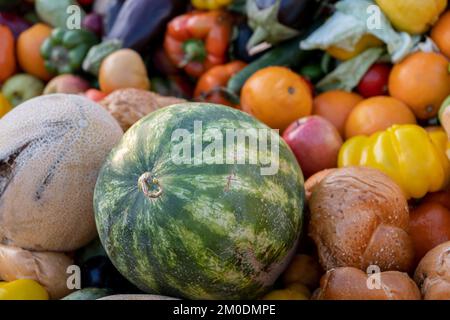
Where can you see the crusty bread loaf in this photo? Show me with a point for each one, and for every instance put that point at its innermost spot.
(433, 273)
(349, 283)
(359, 217)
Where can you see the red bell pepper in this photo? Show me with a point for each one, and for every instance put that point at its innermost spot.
(198, 41)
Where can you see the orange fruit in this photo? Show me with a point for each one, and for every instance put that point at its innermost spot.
(422, 81)
(29, 50)
(336, 106)
(441, 34)
(377, 114)
(276, 96)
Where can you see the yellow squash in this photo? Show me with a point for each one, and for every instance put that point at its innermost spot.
(210, 4)
(23, 289)
(412, 156)
(413, 16)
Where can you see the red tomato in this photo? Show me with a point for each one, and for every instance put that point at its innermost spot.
(95, 95)
(429, 226)
(375, 81)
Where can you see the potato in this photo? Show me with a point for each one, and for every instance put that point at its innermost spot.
(433, 273)
(130, 105)
(349, 283)
(51, 150)
(359, 217)
(47, 268)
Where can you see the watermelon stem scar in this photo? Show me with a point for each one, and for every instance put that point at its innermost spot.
(149, 185)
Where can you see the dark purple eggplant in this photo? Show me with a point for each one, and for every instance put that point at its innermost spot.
(244, 33)
(295, 14)
(139, 22)
(112, 11)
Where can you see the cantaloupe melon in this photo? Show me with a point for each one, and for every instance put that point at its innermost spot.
(51, 149)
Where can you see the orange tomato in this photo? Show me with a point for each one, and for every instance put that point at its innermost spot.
(429, 226)
(441, 34)
(377, 114)
(422, 81)
(29, 50)
(209, 85)
(336, 106)
(123, 69)
(276, 96)
(7, 56)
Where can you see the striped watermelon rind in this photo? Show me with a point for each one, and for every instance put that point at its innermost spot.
(217, 231)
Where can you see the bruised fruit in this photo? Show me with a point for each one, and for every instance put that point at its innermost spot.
(51, 151)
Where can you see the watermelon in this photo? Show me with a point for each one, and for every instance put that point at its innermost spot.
(199, 229)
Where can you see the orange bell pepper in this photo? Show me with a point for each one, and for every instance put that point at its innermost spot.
(198, 41)
(7, 56)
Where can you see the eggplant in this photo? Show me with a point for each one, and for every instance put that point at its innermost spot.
(274, 21)
(292, 13)
(244, 33)
(110, 12)
(139, 22)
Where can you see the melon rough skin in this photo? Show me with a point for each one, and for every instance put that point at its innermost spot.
(51, 149)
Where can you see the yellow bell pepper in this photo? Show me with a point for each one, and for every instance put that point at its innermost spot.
(210, 4)
(23, 289)
(5, 106)
(411, 156)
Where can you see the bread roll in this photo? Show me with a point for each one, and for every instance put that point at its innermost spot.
(433, 273)
(359, 217)
(353, 284)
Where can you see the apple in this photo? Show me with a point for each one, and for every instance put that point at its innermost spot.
(66, 83)
(22, 87)
(315, 142)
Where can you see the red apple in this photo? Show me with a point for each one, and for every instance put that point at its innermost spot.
(315, 142)
(66, 83)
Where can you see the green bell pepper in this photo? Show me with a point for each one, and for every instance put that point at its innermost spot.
(64, 50)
